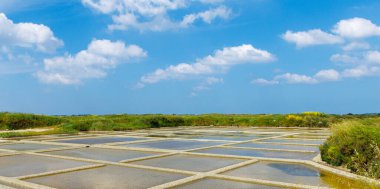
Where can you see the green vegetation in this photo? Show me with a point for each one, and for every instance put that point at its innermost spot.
(128, 122)
(15, 121)
(58, 130)
(355, 144)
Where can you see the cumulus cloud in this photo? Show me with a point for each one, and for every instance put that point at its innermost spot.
(311, 37)
(261, 81)
(363, 64)
(295, 78)
(154, 15)
(345, 58)
(362, 58)
(327, 75)
(356, 28)
(207, 16)
(218, 62)
(373, 57)
(15, 63)
(361, 71)
(356, 46)
(292, 78)
(206, 84)
(100, 56)
(27, 35)
(345, 30)
(211, 1)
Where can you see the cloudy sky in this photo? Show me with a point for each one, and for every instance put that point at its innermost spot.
(189, 56)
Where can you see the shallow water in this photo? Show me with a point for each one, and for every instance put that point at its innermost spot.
(108, 177)
(112, 176)
(259, 153)
(21, 165)
(277, 146)
(100, 140)
(28, 146)
(190, 163)
(293, 173)
(295, 141)
(210, 183)
(103, 154)
(174, 144)
(212, 135)
(227, 137)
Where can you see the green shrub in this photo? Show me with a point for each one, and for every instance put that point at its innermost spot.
(15, 121)
(3, 126)
(82, 126)
(163, 121)
(355, 145)
(128, 122)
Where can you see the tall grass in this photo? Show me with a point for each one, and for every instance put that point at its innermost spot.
(14, 121)
(355, 144)
(127, 122)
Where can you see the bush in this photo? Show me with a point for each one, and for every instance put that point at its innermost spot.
(93, 125)
(163, 121)
(3, 126)
(354, 145)
(25, 121)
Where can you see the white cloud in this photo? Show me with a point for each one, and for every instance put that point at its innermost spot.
(345, 58)
(154, 15)
(219, 62)
(356, 28)
(93, 62)
(211, 1)
(362, 58)
(213, 80)
(296, 78)
(362, 71)
(205, 85)
(327, 75)
(207, 16)
(356, 46)
(373, 57)
(351, 32)
(262, 81)
(311, 37)
(292, 78)
(15, 63)
(103, 6)
(27, 35)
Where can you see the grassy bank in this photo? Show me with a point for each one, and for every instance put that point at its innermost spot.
(64, 124)
(355, 144)
(14, 121)
(56, 130)
(127, 122)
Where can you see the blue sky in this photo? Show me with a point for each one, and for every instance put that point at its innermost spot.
(189, 56)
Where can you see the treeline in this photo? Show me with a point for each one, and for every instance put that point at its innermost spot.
(13, 121)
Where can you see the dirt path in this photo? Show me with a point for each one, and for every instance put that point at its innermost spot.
(27, 130)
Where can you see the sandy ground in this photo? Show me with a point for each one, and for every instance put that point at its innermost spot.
(27, 130)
